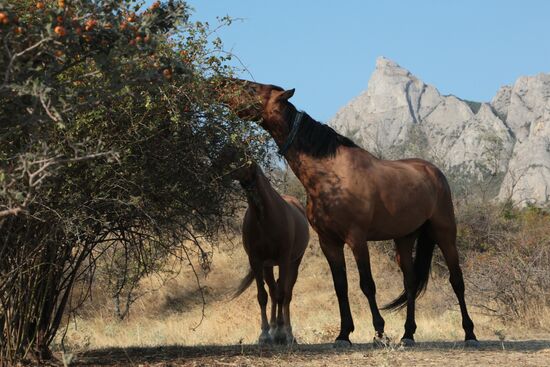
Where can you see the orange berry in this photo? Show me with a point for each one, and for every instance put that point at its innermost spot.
(167, 73)
(6, 21)
(123, 25)
(90, 24)
(131, 18)
(139, 39)
(3, 16)
(58, 53)
(60, 31)
(61, 3)
(19, 30)
(40, 5)
(155, 5)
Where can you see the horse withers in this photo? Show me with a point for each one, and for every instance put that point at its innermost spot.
(275, 232)
(354, 197)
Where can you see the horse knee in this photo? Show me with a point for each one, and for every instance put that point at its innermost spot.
(410, 284)
(280, 295)
(340, 280)
(288, 297)
(262, 296)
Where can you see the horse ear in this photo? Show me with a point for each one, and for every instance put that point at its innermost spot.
(287, 94)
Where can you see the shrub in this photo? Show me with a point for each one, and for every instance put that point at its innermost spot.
(507, 252)
(108, 134)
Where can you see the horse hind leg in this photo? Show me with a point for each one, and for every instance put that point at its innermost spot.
(404, 247)
(446, 240)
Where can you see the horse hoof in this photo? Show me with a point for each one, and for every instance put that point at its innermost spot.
(291, 340)
(341, 343)
(381, 341)
(471, 343)
(265, 339)
(279, 336)
(407, 342)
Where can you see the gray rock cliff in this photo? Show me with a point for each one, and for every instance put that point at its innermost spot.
(400, 116)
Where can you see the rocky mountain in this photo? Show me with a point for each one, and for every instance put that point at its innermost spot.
(504, 144)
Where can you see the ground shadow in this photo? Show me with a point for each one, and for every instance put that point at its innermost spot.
(141, 355)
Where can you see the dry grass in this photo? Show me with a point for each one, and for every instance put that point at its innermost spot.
(170, 315)
(519, 353)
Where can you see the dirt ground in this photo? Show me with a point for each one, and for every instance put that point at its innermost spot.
(448, 354)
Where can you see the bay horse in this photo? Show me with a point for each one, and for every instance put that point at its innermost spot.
(354, 197)
(275, 232)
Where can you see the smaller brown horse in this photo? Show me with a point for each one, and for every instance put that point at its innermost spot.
(275, 233)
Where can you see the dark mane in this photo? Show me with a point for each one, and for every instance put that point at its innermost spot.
(319, 140)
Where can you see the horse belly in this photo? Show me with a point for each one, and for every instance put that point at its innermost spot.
(363, 220)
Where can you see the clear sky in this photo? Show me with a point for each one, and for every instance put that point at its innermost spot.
(327, 49)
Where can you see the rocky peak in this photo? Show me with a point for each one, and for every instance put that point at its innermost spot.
(400, 116)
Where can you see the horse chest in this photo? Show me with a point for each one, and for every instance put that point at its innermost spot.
(264, 241)
(328, 217)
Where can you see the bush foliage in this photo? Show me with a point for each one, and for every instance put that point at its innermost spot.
(507, 252)
(109, 132)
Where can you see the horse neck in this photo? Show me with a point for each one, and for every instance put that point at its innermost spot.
(259, 194)
(303, 165)
(278, 126)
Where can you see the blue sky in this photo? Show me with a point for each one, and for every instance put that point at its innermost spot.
(327, 49)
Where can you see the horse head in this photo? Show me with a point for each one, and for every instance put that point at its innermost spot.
(241, 167)
(266, 104)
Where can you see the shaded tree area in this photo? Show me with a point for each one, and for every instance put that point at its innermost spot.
(109, 139)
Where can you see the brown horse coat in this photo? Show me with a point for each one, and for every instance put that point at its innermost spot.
(353, 197)
(275, 233)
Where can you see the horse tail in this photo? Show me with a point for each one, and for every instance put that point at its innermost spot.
(245, 283)
(422, 264)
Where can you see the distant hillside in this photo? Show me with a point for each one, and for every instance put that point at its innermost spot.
(505, 142)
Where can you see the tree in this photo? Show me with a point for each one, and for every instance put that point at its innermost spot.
(109, 133)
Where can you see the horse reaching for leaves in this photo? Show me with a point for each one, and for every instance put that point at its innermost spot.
(354, 197)
(275, 233)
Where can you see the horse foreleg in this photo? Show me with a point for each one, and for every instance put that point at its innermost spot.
(257, 268)
(404, 248)
(362, 258)
(272, 285)
(334, 252)
(289, 282)
(279, 334)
